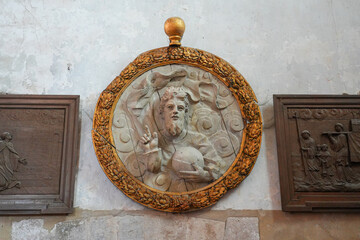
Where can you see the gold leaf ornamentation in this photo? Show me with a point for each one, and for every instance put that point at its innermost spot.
(129, 71)
(223, 68)
(254, 130)
(159, 55)
(252, 111)
(217, 192)
(175, 53)
(200, 199)
(236, 80)
(191, 54)
(116, 85)
(207, 59)
(107, 99)
(143, 61)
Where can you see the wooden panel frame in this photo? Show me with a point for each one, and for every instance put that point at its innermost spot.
(61, 203)
(308, 201)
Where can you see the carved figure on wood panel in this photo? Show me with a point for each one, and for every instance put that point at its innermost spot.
(324, 157)
(308, 148)
(7, 165)
(339, 144)
(354, 141)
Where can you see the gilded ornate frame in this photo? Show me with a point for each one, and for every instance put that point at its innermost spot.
(185, 201)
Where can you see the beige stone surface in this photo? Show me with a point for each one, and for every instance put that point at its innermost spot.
(71, 230)
(129, 227)
(308, 226)
(164, 227)
(5, 227)
(204, 224)
(102, 228)
(29, 229)
(242, 228)
(204, 229)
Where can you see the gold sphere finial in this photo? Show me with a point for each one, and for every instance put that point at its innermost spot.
(174, 27)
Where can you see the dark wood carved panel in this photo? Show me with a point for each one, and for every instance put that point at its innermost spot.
(29, 129)
(38, 153)
(318, 141)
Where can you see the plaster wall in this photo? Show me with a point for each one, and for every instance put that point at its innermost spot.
(78, 47)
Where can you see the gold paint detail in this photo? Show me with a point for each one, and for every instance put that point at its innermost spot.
(185, 201)
(174, 27)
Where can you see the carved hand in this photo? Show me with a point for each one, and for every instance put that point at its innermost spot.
(150, 142)
(199, 175)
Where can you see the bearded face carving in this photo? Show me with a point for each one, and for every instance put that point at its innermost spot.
(174, 108)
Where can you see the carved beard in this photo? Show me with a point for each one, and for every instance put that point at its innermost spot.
(174, 127)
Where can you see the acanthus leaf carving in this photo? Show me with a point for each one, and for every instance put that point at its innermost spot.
(175, 53)
(252, 111)
(129, 71)
(252, 146)
(207, 59)
(254, 130)
(222, 68)
(200, 199)
(191, 54)
(143, 61)
(159, 55)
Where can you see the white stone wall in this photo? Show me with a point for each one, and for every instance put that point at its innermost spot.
(280, 46)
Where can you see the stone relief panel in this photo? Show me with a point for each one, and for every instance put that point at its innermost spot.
(326, 156)
(177, 128)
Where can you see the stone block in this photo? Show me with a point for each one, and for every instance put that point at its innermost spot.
(165, 227)
(320, 226)
(29, 229)
(70, 230)
(129, 228)
(101, 228)
(242, 228)
(203, 229)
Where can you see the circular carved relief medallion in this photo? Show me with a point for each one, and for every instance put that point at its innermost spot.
(177, 129)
